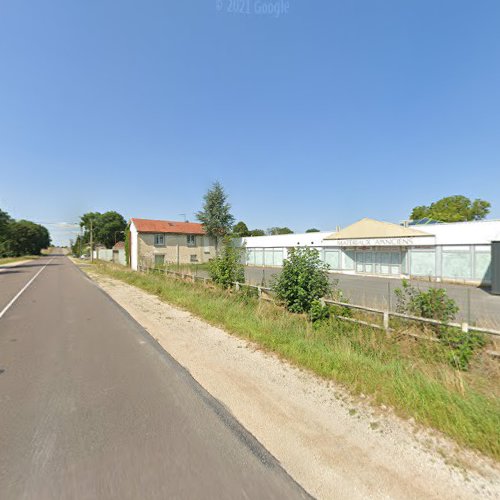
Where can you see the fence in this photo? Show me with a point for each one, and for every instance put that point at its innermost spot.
(266, 294)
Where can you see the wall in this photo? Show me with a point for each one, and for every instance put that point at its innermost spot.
(134, 250)
(103, 254)
(175, 249)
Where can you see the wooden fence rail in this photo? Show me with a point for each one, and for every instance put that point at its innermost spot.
(386, 314)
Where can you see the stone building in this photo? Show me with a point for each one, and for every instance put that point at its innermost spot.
(160, 242)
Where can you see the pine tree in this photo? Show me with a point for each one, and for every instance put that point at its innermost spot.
(215, 216)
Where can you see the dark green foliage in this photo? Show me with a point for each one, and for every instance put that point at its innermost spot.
(462, 346)
(257, 232)
(5, 221)
(312, 230)
(240, 230)
(318, 311)
(21, 237)
(453, 209)
(127, 244)
(108, 227)
(216, 214)
(303, 280)
(227, 267)
(434, 303)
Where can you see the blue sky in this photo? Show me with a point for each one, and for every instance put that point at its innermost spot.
(329, 112)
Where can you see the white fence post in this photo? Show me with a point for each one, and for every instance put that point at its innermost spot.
(465, 327)
(259, 291)
(386, 320)
(237, 286)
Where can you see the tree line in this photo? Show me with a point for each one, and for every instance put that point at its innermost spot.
(21, 237)
(218, 221)
(107, 229)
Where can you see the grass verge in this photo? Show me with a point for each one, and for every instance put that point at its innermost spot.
(403, 374)
(10, 260)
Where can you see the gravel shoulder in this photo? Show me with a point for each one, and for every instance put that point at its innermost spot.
(334, 445)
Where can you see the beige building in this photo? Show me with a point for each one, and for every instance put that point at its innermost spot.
(159, 242)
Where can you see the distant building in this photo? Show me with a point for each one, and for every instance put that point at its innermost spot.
(459, 251)
(160, 242)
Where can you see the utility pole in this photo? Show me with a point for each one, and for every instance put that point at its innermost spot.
(91, 242)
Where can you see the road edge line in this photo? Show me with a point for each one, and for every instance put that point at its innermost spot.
(9, 305)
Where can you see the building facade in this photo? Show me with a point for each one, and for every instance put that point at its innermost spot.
(156, 243)
(452, 252)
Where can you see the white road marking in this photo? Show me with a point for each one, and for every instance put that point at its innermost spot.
(7, 307)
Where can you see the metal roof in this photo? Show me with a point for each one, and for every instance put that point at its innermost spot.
(371, 228)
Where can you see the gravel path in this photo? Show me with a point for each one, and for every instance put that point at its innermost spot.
(335, 446)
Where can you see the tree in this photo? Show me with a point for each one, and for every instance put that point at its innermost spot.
(257, 232)
(108, 228)
(215, 215)
(89, 221)
(312, 230)
(27, 238)
(227, 268)
(241, 230)
(453, 209)
(5, 221)
(279, 230)
(303, 280)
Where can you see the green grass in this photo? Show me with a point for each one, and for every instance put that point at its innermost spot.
(188, 268)
(9, 260)
(363, 360)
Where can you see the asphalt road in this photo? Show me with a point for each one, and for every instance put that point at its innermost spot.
(92, 407)
(374, 292)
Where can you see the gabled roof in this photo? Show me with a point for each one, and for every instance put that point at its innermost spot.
(167, 226)
(370, 228)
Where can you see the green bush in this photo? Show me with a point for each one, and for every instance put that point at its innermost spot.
(435, 304)
(319, 311)
(461, 346)
(227, 268)
(303, 280)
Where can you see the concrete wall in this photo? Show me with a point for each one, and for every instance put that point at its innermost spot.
(109, 255)
(103, 254)
(175, 250)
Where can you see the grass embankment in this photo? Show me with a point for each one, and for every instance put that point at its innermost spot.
(10, 260)
(394, 371)
(188, 268)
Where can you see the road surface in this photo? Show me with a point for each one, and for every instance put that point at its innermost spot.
(92, 407)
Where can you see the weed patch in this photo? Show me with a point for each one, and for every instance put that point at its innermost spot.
(364, 360)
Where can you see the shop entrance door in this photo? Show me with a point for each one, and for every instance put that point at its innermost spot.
(387, 262)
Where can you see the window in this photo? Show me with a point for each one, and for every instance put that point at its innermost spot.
(159, 240)
(193, 258)
(159, 260)
(191, 240)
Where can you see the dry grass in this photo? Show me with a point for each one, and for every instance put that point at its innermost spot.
(407, 374)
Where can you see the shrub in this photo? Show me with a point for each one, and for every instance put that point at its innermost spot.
(319, 311)
(226, 268)
(303, 280)
(435, 304)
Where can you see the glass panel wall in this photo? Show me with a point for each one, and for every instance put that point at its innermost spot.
(457, 262)
(423, 262)
(332, 258)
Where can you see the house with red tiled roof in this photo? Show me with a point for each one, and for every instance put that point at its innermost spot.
(160, 242)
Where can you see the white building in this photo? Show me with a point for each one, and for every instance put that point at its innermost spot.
(458, 251)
